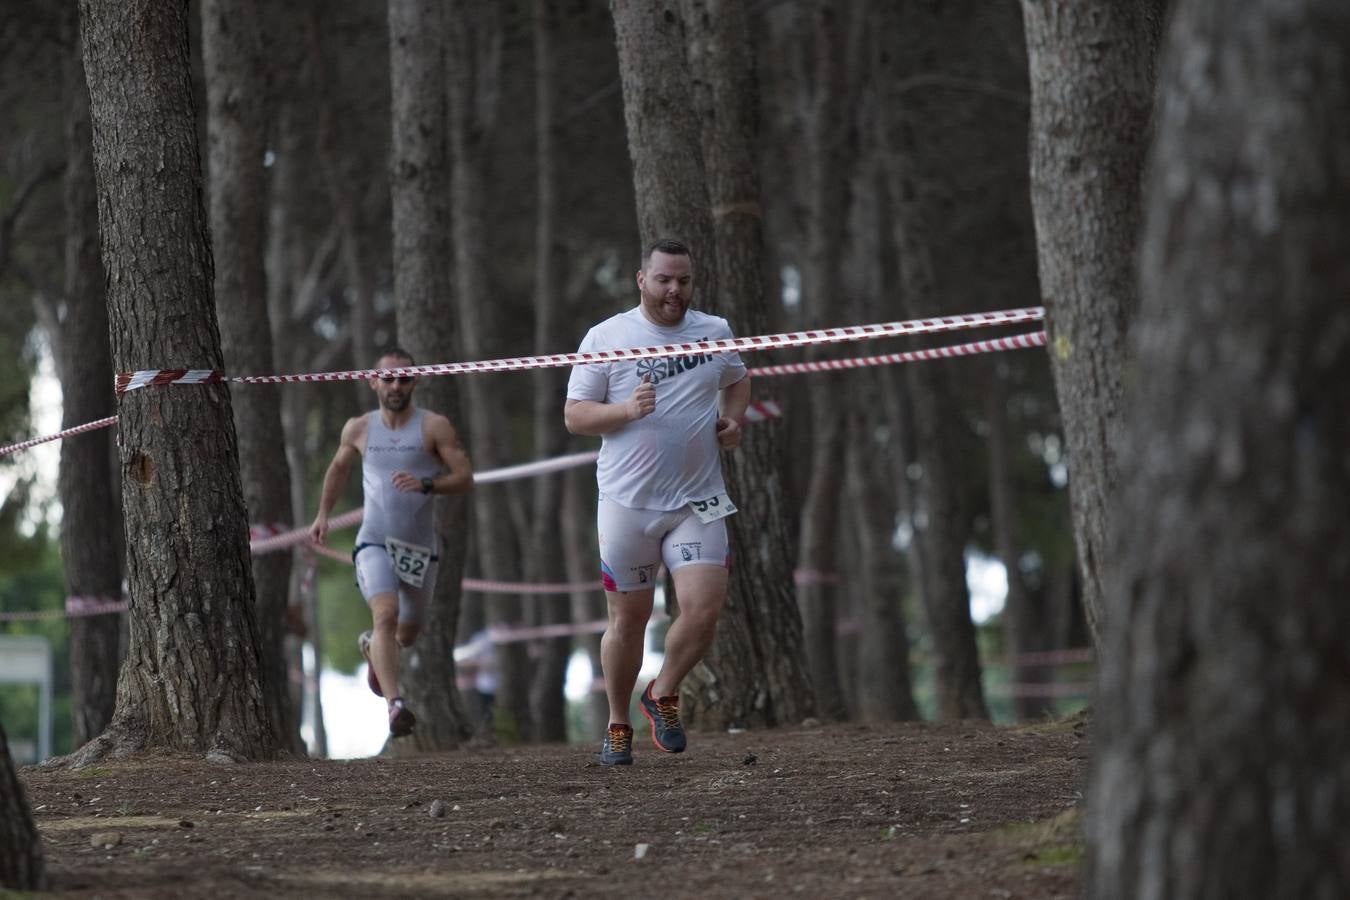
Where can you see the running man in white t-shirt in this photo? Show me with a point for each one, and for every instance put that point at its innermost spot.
(662, 498)
(407, 454)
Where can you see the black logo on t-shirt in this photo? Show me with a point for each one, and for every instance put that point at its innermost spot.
(670, 366)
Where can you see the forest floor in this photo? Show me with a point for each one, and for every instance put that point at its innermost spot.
(921, 810)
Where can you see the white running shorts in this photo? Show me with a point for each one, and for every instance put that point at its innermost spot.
(633, 542)
(375, 575)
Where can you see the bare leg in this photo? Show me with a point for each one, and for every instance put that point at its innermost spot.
(383, 642)
(621, 648)
(701, 590)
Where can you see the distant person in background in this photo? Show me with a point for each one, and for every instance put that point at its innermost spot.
(476, 671)
(662, 497)
(407, 455)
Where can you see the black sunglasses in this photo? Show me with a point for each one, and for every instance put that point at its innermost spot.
(401, 379)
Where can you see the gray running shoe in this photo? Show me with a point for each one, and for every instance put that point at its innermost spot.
(372, 682)
(664, 714)
(617, 748)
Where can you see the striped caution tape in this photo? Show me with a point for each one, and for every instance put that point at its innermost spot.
(1016, 342)
(129, 381)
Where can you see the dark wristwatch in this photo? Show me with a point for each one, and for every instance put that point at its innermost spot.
(428, 485)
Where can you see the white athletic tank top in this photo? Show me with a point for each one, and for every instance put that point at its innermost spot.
(389, 512)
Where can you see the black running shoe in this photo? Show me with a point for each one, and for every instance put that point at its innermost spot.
(617, 748)
(664, 714)
(401, 719)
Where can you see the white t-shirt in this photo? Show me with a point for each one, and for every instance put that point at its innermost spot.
(664, 460)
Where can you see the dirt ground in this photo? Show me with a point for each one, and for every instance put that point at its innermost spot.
(913, 810)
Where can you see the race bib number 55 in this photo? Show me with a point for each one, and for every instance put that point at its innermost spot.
(718, 506)
(411, 561)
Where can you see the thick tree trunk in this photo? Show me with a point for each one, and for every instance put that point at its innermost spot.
(91, 550)
(21, 865)
(286, 289)
(767, 632)
(942, 526)
(578, 539)
(1092, 78)
(663, 133)
(1222, 753)
(474, 68)
(818, 551)
(418, 189)
(884, 690)
(194, 678)
(544, 562)
(236, 112)
(1025, 628)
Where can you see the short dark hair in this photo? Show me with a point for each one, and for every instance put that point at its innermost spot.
(395, 351)
(667, 245)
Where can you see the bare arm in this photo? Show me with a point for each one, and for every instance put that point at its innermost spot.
(592, 417)
(735, 398)
(459, 478)
(335, 479)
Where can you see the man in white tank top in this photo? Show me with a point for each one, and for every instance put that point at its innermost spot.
(662, 498)
(407, 455)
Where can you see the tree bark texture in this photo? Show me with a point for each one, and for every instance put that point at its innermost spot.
(884, 690)
(1025, 625)
(1092, 80)
(474, 72)
(1223, 757)
(767, 630)
(193, 679)
(91, 551)
(664, 141)
(942, 527)
(544, 562)
(235, 124)
(21, 865)
(419, 180)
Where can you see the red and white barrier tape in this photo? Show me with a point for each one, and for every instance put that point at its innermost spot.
(805, 577)
(483, 586)
(759, 411)
(1016, 342)
(78, 429)
(1054, 657)
(76, 607)
(130, 381)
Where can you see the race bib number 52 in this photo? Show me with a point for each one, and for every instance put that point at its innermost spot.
(411, 561)
(718, 506)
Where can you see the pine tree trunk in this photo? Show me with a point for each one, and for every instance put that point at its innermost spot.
(236, 112)
(663, 134)
(761, 594)
(1025, 627)
(544, 562)
(1222, 746)
(941, 524)
(884, 690)
(286, 286)
(1092, 79)
(818, 551)
(753, 675)
(421, 253)
(474, 73)
(91, 550)
(21, 865)
(194, 678)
